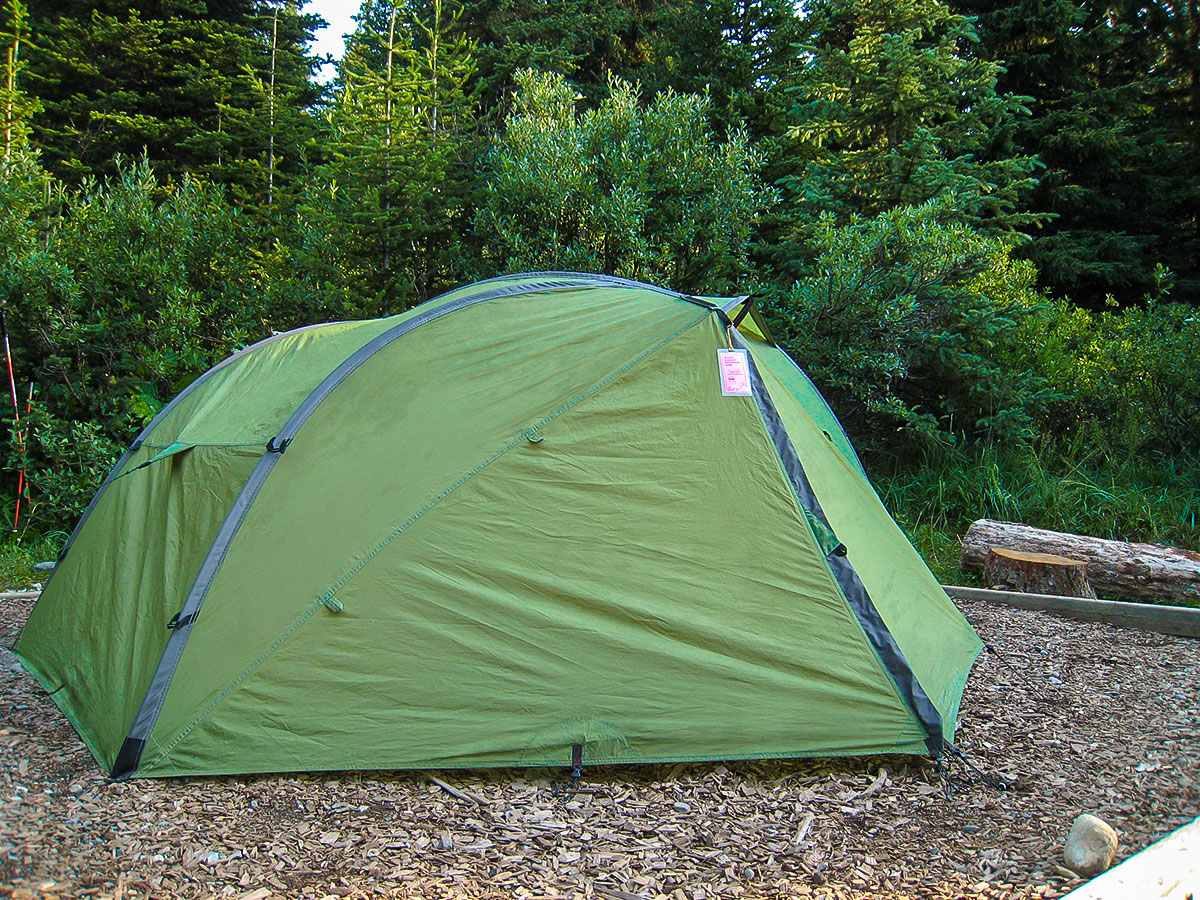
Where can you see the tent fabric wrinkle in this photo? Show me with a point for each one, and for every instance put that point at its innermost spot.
(517, 525)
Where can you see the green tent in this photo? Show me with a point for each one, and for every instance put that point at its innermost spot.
(542, 517)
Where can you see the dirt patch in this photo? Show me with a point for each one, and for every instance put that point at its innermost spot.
(1079, 717)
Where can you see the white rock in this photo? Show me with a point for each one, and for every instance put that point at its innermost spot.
(1091, 846)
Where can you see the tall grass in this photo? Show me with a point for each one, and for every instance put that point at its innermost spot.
(18, 554)
(936, 498)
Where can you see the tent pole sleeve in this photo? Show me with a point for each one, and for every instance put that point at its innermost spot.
(876, 630)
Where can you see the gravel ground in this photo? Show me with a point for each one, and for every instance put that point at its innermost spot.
(1078, 717)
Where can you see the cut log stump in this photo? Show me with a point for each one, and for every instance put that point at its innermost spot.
(1036, 573)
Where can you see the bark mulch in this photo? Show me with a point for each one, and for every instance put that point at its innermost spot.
(1079, 717)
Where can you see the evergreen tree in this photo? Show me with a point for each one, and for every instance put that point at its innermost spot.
(1170, 33)
(584, 40)
(739, 52)
(200, 88)
(891, 111)
(398, 174)
(1088, 105)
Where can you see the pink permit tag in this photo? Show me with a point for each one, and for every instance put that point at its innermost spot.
(735, 372)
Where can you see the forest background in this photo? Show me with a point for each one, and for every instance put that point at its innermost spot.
(975, 224)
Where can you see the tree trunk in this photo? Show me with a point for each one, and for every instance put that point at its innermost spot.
(1036, 573)
(1115, 568)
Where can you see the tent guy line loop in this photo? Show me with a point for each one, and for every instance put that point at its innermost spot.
(971, 774)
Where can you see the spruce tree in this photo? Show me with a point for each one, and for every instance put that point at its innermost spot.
(186, 83)
(740, 53)
(891, 111)
(1087, 125)
(584, 40)
(398, 141)
(1169, 32)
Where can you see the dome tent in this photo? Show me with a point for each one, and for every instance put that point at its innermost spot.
(518, 524)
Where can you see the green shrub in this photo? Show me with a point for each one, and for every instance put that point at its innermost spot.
(644, 192)
(117, 296)
(1127, 381)
(905, 321)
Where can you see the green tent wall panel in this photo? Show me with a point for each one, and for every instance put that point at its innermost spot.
(519, 518)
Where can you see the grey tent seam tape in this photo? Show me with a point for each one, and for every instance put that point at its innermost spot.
(877, 633)
(147, 715)
(618, 281)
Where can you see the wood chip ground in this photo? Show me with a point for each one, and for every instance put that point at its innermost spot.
(1080, 717)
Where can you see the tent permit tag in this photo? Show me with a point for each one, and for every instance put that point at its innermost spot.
(734, 366)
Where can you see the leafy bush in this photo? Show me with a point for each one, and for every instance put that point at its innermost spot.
(647, 193)
(117, 296)
(907, 322)
(1127, 380)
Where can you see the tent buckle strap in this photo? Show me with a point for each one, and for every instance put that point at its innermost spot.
(567, 789)
(971, 773)
(178, 621)
(273, 447)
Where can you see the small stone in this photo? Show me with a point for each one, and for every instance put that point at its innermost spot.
(447, 842)
(970, 829)
(212, 858)
(1091, 846)
(683, 807)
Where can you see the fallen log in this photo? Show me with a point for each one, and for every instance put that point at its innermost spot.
(1179, 620)
(1115, 568)
(20, 595)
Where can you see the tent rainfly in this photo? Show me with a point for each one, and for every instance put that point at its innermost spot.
(540, 519)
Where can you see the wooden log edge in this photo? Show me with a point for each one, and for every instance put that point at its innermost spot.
(20, 595)
(1177, 620)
